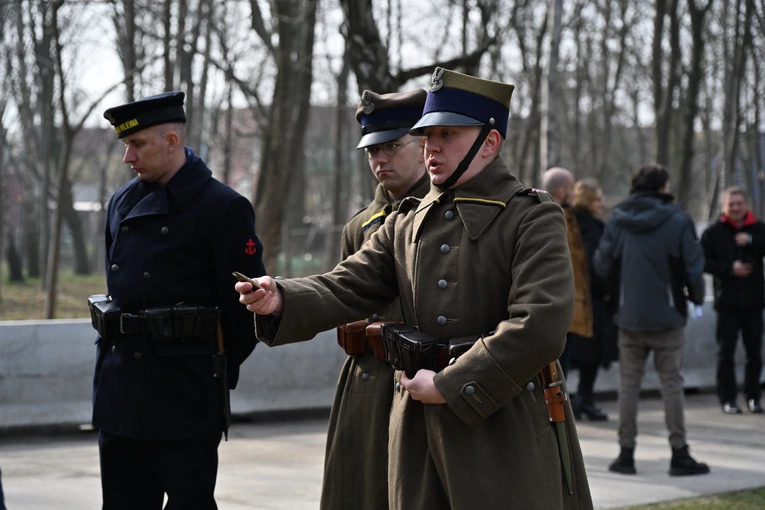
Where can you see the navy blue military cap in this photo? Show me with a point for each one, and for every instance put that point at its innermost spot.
(386, 117)
(144, 113)
(457, 99)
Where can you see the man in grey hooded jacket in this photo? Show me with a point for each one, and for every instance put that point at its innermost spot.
(651, 246)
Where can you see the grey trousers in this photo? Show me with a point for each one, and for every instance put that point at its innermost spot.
(668, 354)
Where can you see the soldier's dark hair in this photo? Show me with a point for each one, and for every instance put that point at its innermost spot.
(649, 178)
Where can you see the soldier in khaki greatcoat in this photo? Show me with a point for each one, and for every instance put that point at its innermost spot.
(479, 255)
(356, 458)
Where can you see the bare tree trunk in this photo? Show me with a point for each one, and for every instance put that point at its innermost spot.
(549, 130)
(285, 131)
(340, 188)
(46, 101)
(167, 38)
(663, 101)
(609, 91)
(369, 54)
(74, 222)
(684, 191)
(2, 171)
(129, 49)
(757, 133)
(731, 118)
(228, 135)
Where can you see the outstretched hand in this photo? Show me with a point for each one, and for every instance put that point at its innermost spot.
(263, 301)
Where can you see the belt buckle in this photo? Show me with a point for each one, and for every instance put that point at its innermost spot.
(122, 322)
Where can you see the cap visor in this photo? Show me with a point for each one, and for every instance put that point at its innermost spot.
(442, 119)
(378, 137)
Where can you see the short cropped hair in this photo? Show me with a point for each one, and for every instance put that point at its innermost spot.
(649, 178)
(734, 190)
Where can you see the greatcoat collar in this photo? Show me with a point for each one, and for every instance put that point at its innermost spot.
(478, 201)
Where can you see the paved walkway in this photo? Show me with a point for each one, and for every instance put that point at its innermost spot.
(277, 465)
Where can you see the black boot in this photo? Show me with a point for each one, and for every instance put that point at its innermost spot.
(683, 464)
(624, 463)
(588, 408)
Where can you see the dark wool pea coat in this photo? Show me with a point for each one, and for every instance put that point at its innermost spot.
(503, 255)
(356, 458)
(166, 245)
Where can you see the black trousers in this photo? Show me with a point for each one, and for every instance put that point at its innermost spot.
(729, 323)
(137, 473)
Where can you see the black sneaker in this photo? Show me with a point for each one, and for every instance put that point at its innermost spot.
(730, 408)
(754, 406)
(683, 464)
(624, 463)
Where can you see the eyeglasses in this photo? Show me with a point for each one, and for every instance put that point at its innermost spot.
(389, 148)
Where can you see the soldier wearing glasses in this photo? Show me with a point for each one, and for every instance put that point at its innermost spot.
(356, 459)
(481, 257)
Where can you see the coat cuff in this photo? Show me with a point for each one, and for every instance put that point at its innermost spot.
(475, 386)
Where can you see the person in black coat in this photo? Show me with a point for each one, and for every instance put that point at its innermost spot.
(172, 335)
(733, 249)
(588, 354)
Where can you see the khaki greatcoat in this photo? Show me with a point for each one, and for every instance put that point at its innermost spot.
(356, 457)
(486, 257)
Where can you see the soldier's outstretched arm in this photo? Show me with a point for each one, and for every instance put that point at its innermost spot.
(264, 301)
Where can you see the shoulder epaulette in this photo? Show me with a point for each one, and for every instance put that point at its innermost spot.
(376, 218)
(539, 194)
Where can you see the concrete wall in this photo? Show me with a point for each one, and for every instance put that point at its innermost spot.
(46, 369)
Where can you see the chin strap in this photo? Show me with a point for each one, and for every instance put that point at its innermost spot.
(485, 130)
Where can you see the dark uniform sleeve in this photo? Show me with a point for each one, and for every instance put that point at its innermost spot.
(236, 248)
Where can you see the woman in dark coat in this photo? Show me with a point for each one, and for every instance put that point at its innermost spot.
(587, 354)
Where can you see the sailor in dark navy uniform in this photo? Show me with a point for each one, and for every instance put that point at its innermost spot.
(172, 334)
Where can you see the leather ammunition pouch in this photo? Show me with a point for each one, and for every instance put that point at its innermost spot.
(417, 351)
(375, 341)
(104, 315)
(180, 325)
(173, 324)
(391, 347)
(352, 337)
(405, 348)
